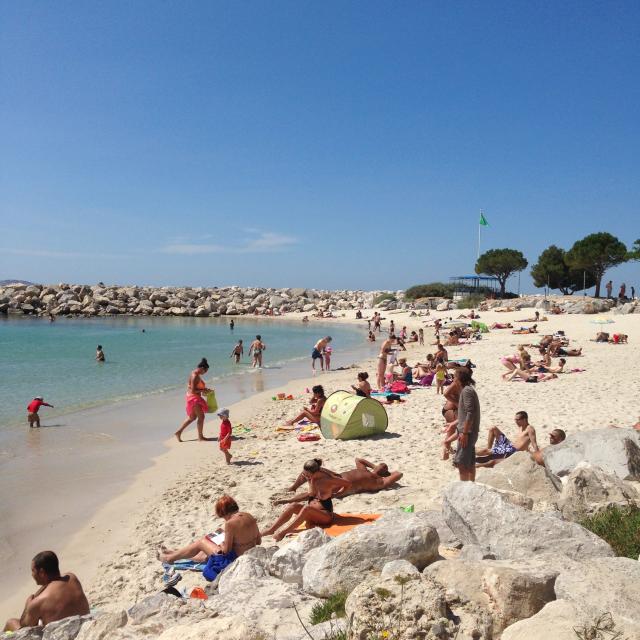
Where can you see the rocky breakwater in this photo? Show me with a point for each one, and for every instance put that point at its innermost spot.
(566, 304)
(102, 300)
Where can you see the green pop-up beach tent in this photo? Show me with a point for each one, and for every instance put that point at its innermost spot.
(346, 416)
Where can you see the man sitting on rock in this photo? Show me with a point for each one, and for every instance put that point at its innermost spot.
(365, 478)
(58, 597)
(555, 437)
(500, 447)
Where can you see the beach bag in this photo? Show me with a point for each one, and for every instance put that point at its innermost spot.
(399, 387)
(212, 402)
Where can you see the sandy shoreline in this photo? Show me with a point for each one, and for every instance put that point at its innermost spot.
(98, 448)
(172, 501)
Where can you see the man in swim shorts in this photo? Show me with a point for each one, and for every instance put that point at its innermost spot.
(318, 352)
(59, 596)
(500, 447)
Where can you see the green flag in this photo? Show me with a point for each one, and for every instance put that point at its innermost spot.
(483, 221)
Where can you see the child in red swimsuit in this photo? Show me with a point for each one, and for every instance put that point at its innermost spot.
(224, 439)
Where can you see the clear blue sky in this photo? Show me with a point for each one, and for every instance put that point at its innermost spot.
(325, 144)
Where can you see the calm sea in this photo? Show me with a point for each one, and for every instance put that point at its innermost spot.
(56, 360)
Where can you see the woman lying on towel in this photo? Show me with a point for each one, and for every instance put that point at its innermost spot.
(525, 330)
(240, 534)
(318, 510)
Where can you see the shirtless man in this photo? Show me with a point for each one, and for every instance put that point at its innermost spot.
(257, 347)
(237, 352)
(59, 596)
(241, 533)
(365, 478)
(500, 447)
(318, 351)
(555, 437)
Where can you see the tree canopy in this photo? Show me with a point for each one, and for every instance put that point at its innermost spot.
(597, 252)
(552, 270)
(501, 263)
(432, 289)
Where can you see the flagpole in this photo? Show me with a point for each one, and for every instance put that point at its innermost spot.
(479, 228)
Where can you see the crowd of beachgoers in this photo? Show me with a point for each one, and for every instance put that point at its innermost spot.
(426, 375)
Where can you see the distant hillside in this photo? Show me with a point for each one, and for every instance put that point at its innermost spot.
(4, 283)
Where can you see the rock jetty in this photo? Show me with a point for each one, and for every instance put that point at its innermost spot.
(201, 302)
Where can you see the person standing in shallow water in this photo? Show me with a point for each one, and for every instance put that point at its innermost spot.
(257, 347)
(100, 354)
(196, 405)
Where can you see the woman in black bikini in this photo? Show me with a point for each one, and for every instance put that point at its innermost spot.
(319, 508)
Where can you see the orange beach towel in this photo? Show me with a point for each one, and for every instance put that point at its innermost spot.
(343, 522)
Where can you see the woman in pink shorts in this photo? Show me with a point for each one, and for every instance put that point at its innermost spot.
(196, 406)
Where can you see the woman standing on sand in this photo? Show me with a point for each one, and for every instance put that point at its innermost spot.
(196, 406)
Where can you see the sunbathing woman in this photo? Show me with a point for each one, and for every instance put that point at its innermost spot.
(525, 330)
(529, 376)
(319, 508)
(313, 412)
(556, 349)
(240, 534)
(501, 325)
(363, 388)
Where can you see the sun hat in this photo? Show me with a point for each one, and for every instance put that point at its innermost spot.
(223, 413)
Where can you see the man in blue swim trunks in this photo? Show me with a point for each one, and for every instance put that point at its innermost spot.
(500, 447)
(318, 352)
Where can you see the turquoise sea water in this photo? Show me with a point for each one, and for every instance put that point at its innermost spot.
(56, 360)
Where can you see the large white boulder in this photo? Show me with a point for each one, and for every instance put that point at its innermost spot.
(589, 490)
(480, 516)
(287, 563)
(605, 585)
(556, 621)
(245, 569)
(341, 564)
(406, 607)
(615, 451)
(507, 590)
(521, 474)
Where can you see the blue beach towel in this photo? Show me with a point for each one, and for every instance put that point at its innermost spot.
(216, 564)
(185, 565)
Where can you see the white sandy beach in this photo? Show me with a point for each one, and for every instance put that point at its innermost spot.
(172, 502)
